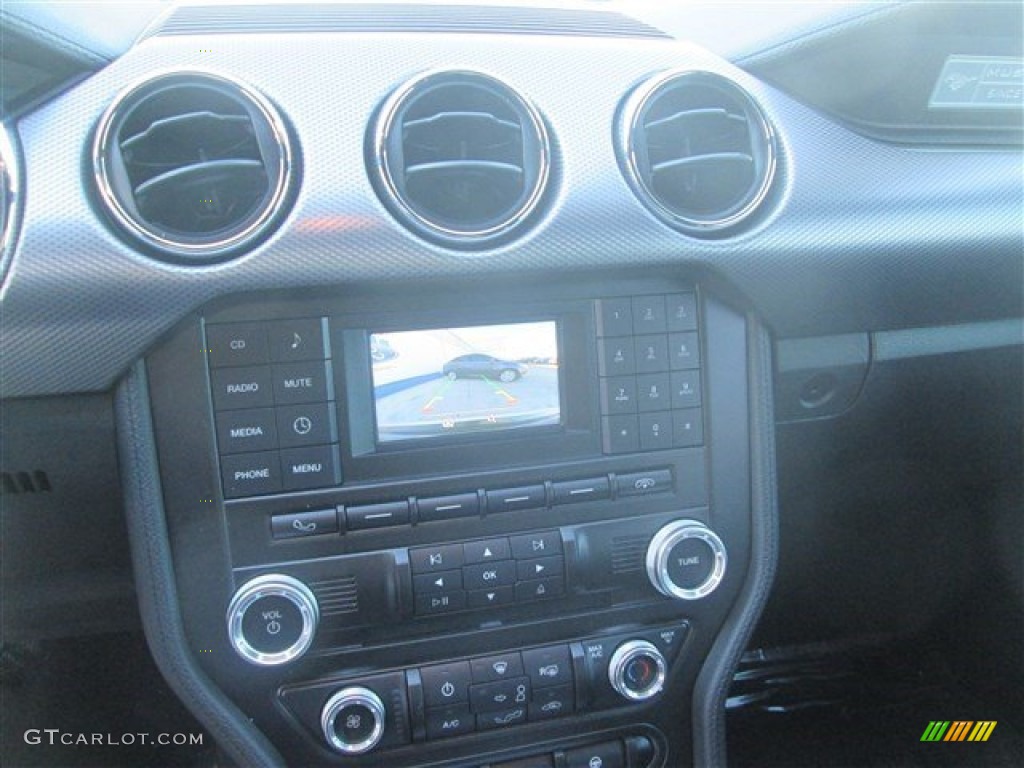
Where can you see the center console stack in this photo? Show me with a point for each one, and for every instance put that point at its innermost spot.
(448, 525)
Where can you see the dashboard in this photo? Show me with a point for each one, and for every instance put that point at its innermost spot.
(436, 353)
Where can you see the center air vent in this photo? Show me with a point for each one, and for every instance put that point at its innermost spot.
(193, 165)
(460, 158)
(697, 150)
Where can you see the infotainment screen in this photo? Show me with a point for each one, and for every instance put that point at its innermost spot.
(451, 381)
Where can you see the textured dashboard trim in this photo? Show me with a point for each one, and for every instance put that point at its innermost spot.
(445, 19)
(10, 198)
(857, 234)
(156, 587)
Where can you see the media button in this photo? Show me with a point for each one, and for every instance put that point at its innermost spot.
(310, 424)
(302, 524)
(315, 467)
(440, 558)
(445, 684)
(235, 388)
(236, 344)
(486, 551)
(249, 430)
(251, 474)
(293, 340)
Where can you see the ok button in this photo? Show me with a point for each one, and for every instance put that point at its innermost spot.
(486, 575)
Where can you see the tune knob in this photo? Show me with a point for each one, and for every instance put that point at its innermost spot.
(353, 720)
(637, 670)
(272, 620)
(686, 560)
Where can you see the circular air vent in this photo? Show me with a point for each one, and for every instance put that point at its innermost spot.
(460, 158)
(193, 165)
(697, 150)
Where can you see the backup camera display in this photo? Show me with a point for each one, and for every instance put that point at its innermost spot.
(453, 381)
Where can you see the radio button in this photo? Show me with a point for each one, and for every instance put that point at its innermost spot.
(300, 383)
(539, 568)
(491, 598)
(440, 558)
(511, 499)
(236, 344)
(251, 474)
(490, 668)
(445, 684)
(312, 424)
(486, 575)
(486, 551)
(437, 583)
(302, 524)
(614, 317)
(293, 340)
(620, 434)
(449, 721)
(542, 589)
(445, 602)
(644, 483)
(235, 388)
(385, 515)
(573, 491)
(448, 507)
(248, 430)
(530, 545)
(549, 666)
(314, 467)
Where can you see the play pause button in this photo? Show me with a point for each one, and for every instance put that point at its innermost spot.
(489, 598)
(538, 568)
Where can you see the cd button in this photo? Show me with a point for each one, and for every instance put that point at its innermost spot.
(236, 344)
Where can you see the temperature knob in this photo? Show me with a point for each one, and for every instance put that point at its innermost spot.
(686, 560)
(353, 720)
(272, 620)
(637, 670)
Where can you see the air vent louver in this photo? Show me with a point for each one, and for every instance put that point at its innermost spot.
(698, 150)
(193, 165)
(460, 158)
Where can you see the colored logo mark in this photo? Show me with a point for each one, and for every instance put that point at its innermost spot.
(958, 730)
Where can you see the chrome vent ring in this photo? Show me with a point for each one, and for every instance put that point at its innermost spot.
(697, 150)
(193, 165)
(460, 158)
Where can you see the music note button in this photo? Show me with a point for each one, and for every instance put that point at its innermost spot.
(297, 340)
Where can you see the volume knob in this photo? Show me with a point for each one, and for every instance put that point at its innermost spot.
(272, 620)
(686, 560)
